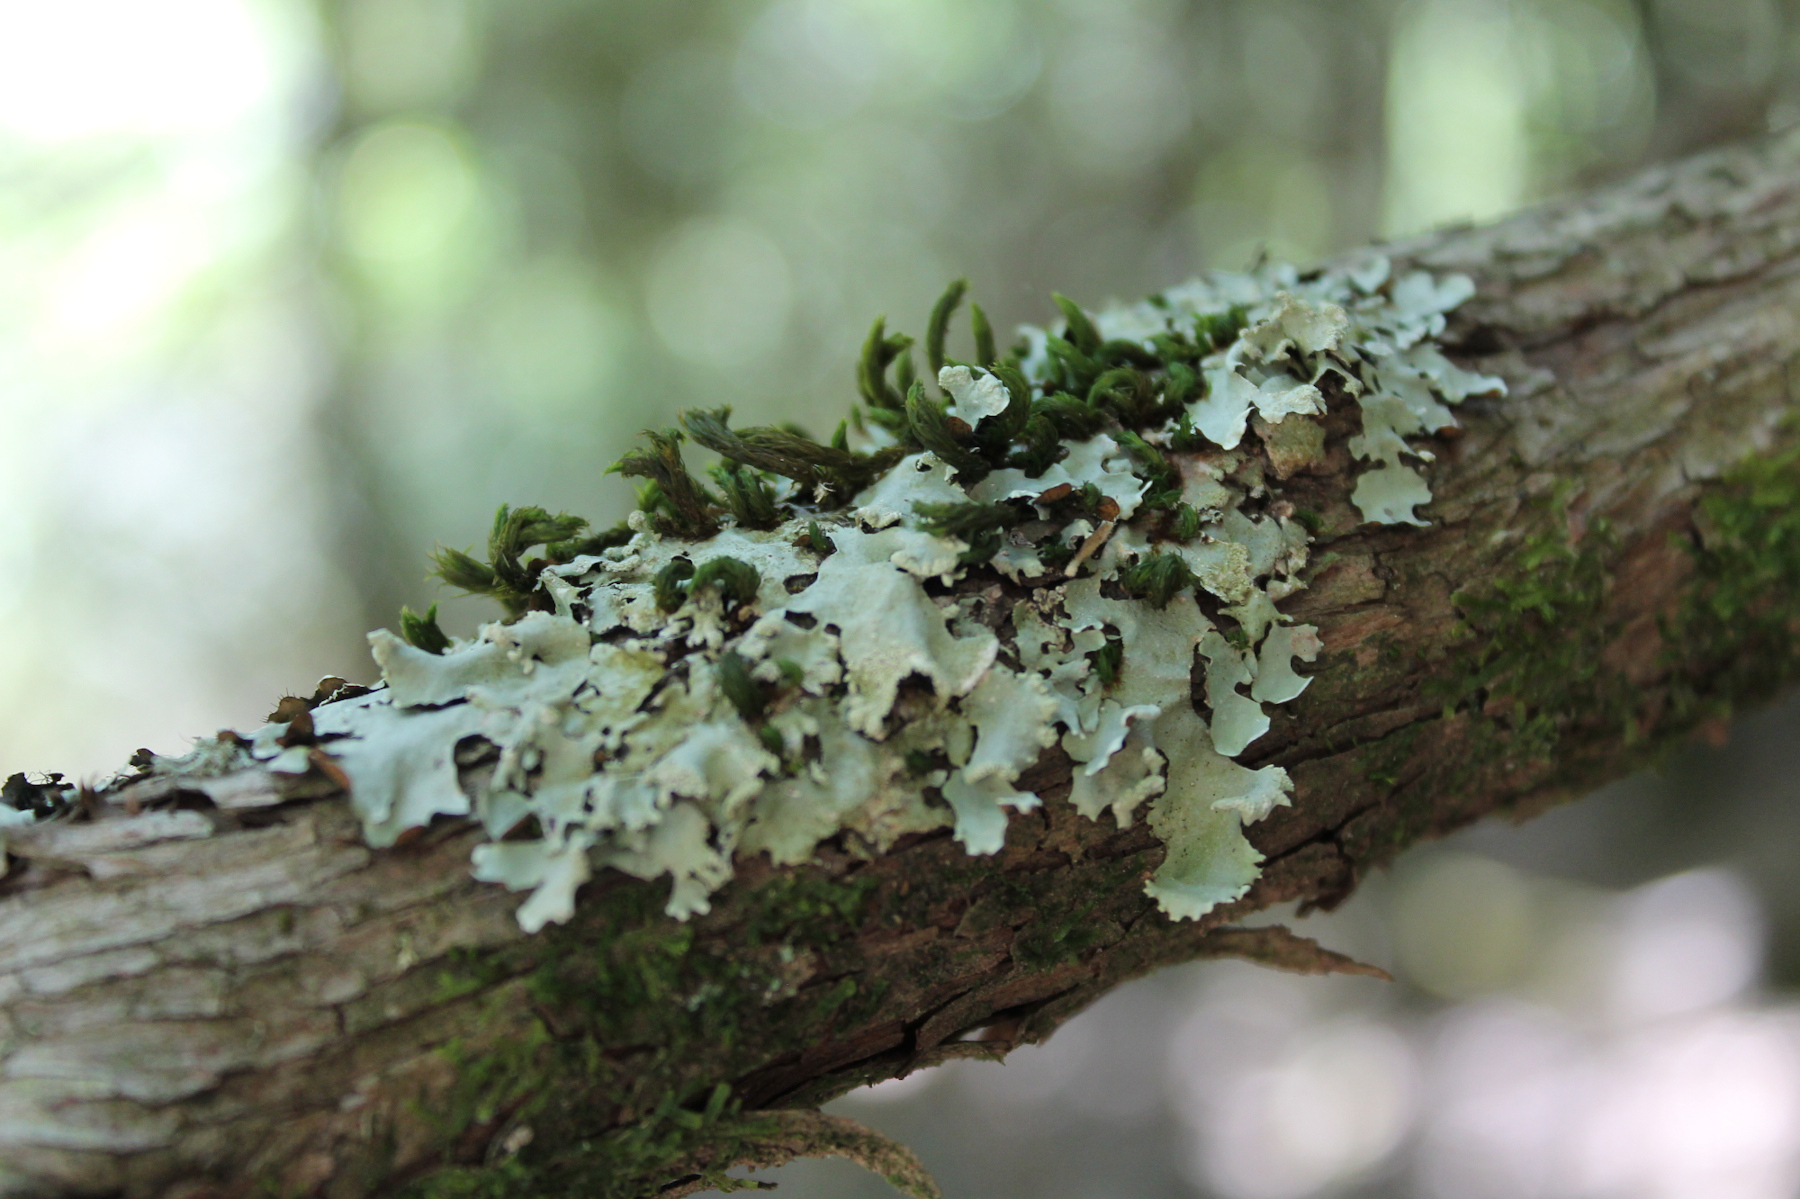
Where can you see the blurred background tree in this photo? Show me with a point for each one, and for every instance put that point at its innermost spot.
(295, 291)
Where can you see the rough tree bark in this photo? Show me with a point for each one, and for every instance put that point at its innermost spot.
(216, 989)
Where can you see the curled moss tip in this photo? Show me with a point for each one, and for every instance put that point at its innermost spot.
(1180, 385)
(1080, 329)
(670, 584)
(1154, 467)
(985, 353)
(1012, 419)
(736, 581)
(879, 351)
(567, 551)
(1041, 446)
(1072, 417)
(1129, 394)
(517, 530)
(931, 428)
(506, 576)
(939, 324)
(683, 508)
(422, 632)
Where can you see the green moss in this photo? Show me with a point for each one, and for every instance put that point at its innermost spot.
(736, 581)
(938, 325)
(788, 452)
(1528, 668)
(1384, 760)
(1154, 467)
(886, 401)
(1107, 661)
(674, 1141)
(1048, 943)
(1525, 692)
(1534, 633)
(1737, 636)
(629, 982)
(745, 693)
(464, 972)
(1187, 522)
(747, 494)
(1157, 578)
(506, 576)
(488, 1083)
(931, 427)
(676, 501)
(804, 906)
(468, 1182)
(980, 525)
(423, 632)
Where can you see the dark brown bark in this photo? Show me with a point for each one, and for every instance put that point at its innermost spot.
(235, 995)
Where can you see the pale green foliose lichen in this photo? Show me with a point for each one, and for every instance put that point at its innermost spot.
(875, 686)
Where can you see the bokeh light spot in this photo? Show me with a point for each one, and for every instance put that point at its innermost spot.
(1463, 925)
(719, 293)
(405, 190)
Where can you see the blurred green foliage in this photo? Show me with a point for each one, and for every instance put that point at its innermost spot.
(554, 223)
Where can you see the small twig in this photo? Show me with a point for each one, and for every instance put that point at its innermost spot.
(1089, 548)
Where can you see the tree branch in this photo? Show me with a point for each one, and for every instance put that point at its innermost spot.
(211, 986)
